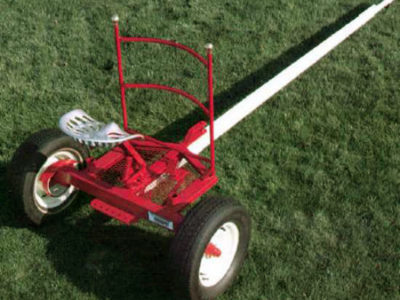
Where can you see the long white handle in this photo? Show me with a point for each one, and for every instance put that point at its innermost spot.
(269, 89)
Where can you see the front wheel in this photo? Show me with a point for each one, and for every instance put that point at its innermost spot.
(31, 159)
(209, 248)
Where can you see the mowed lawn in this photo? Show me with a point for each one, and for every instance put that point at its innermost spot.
(318, 166)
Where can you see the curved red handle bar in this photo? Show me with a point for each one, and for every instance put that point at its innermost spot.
(166, 42)
(206, 62)
(170, 89)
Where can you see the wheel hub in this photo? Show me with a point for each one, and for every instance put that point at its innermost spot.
(48, 174)
(219, 254)
(212, 251)
(47, 194)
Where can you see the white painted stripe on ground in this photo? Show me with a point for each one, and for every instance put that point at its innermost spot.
(245, 107)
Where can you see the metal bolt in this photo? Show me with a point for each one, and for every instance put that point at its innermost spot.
(115, 18)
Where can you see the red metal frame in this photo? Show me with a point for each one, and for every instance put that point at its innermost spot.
(130, 195)
(208, 63)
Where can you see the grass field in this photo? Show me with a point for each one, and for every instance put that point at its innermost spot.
(318, 167)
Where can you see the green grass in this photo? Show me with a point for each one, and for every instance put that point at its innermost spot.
(317, 167)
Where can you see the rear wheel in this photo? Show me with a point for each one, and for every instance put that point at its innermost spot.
(31, 159)
(209, 248)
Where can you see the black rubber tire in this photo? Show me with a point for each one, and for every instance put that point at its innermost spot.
(27, 161)
(193, 236)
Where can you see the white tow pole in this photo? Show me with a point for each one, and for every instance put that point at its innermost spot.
(246, 106)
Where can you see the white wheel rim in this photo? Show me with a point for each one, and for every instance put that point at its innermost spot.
(60, 193)
(214, 268)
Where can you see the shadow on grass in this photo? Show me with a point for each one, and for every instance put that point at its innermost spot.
(114, 262)
(109, 261)
(225, 100)
(9, 215)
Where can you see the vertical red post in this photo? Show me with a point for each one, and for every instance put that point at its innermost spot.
(211, 106)
(115, 20)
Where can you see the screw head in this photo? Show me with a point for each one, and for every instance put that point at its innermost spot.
(115, 18)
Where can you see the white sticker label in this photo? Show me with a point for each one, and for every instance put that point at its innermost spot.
(160, 221)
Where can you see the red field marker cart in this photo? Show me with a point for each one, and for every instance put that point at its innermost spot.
(140, 177)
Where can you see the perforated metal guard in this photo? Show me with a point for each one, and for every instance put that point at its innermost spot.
(83, 128)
